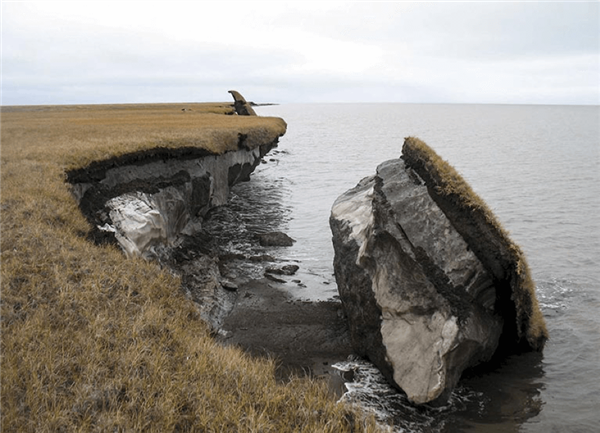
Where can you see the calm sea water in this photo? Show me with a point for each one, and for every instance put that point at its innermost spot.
(537, 167)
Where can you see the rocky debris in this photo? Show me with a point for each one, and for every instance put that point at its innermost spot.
(268, 276)
(287, 270)
(429, 281)
(275, 239)
(284, 270)
(262, 258)
(242, 107)
(229, 285)
(202, 282)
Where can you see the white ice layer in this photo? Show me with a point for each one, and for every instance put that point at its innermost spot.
(141, 221)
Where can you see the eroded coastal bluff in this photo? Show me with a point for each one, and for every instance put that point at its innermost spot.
(429, 282)
(152, 202)
(430, 285)
(94, 341)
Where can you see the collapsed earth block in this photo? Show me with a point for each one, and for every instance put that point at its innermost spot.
(430, 282)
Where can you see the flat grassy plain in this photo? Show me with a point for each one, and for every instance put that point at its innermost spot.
(92, 341)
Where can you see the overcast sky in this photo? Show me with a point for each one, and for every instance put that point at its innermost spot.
(451, 52)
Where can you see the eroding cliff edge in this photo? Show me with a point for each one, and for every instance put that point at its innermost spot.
(430, 282)
(152, 204)
(147, 201)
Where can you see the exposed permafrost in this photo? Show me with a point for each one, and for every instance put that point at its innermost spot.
(150, 204)
(142, 221)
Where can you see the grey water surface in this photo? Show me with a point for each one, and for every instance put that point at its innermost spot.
(537, 167)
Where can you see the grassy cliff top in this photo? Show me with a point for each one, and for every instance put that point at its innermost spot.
(94, 342)
(484, 233)
(76, 135)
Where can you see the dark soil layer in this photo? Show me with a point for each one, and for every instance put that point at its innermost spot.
(96, 171)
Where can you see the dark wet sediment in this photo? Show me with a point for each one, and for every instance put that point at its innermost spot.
(263, 316)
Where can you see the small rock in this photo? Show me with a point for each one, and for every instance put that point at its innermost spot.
(284, 270)
(272, 278)
(290, 269)
(229, 285)
(348, 375)
(231, 256)
(275, 239)
(262, 258)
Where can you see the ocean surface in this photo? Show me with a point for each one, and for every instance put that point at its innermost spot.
(537, 167)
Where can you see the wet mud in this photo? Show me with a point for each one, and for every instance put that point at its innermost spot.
(250, 293)
(304, 337)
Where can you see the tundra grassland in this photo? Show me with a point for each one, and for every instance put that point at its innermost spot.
(92, 341)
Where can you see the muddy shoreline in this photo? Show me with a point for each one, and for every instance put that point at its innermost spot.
(248, 306)
(305, 338)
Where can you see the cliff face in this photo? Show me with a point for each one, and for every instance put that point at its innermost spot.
(148, 200)
(152, 204)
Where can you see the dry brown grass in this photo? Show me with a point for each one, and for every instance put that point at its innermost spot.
(448, 182)
(94, 342)
(78, 135)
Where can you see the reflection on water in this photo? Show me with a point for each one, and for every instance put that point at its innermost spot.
(571, 362)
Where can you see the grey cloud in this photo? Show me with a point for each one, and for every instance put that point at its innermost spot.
(76, 64)
(503, 28)
(430, 52)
